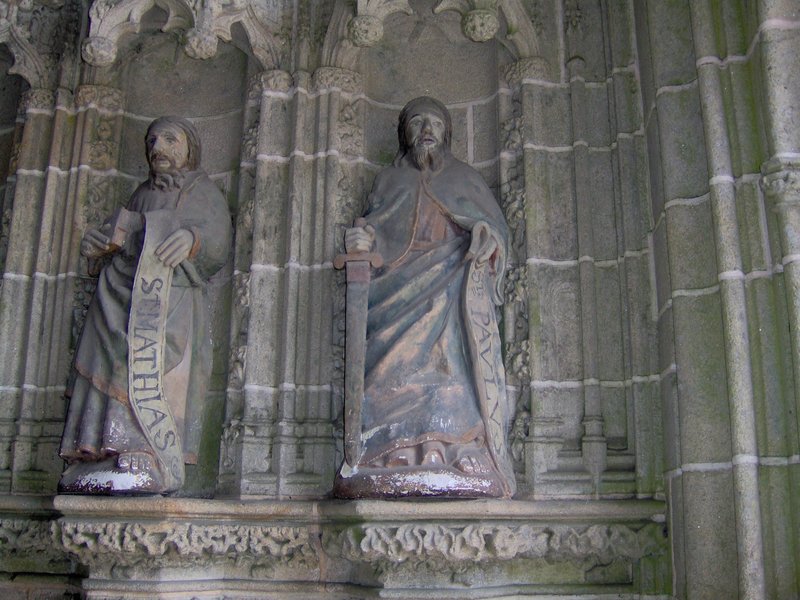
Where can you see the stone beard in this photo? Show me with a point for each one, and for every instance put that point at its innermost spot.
(435, 411)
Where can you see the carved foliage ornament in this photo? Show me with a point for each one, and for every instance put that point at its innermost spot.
(36, 33)
(480, 21)
(206, 21)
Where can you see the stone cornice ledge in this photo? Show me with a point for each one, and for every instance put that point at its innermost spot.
(361, 511)
(156, 539)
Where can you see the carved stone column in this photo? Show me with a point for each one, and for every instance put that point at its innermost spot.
(279, 438)
(21, 296)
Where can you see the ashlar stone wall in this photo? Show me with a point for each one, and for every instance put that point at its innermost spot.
(645, 155)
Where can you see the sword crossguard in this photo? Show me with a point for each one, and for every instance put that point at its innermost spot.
(373, 258)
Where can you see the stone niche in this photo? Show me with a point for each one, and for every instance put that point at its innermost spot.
(297, 110)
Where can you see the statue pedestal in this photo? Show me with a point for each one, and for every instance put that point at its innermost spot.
(342, 549)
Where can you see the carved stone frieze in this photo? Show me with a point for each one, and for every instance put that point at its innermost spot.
(781, 180)
(37, 99)
(276, 80)
(326, 78)
(446, 546)
(525, 68)
(166, 543)
(350, 130)
(205, 22)
(100, 97)
(37, 34)
(28, 540)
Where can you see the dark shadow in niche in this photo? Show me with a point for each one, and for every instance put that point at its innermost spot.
(12, 88)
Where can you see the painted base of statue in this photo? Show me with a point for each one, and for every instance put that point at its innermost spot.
(430, 469)
(123, 474)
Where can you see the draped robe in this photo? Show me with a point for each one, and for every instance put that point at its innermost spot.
(100, 421)
(422, 376)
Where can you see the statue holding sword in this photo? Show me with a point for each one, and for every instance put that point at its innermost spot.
(426, 410)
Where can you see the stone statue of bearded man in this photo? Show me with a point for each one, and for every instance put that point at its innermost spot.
(435, 409)
(143, 361)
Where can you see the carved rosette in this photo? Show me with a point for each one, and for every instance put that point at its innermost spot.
(366, 27)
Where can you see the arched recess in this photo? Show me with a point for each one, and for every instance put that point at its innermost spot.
(152, 76)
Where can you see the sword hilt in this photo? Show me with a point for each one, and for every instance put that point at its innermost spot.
(373, 258)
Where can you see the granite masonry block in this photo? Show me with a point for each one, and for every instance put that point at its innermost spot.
(547, 112)
(553, 304)
(221, 150)
(779, 505)
(274, 135)
(380, 133)
(550, 205)
(34, 152)
(751, 217)
(632, 192)
(614, 401)
(609, 315)
(440, 61)
(702, 387)
(10, 396)
(655, 168)
(562, 408)
(778, 9)
(637, 296)
(260, 404)
(661, 258)
(682, 144)
(590, 113)
(485, 143)
(648, 425)
(306, 127)
(748, 138)
(25, 225)
(627, 102)
(780, 48)
(596, 187)
(584, 35)
(265, 340)
(186, 86)
(669, 24)
(690, 234)
(269, 228)
(709, 537)
(460, 133)
(772, 390)
(620, 30)
(15, 299)
(645, 55)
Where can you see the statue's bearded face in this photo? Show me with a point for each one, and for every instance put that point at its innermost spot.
(167, 149)
(425, 133)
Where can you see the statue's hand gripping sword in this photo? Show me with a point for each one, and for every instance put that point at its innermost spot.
(358, 275)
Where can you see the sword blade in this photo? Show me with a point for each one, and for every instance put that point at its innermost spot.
(358, 273)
